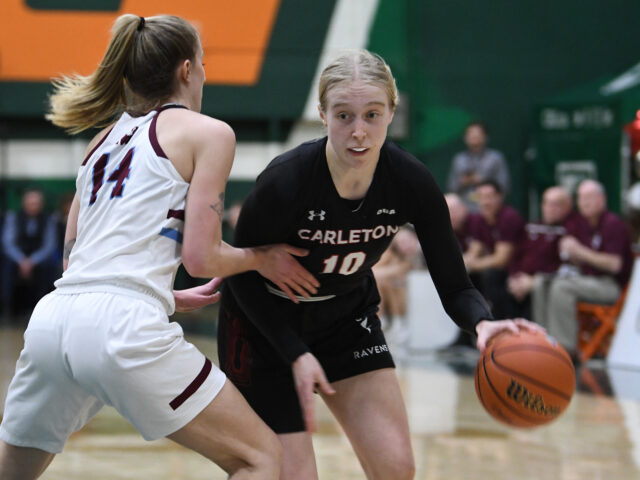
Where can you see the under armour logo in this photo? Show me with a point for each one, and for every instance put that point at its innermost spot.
(364, 323)
(313, 214)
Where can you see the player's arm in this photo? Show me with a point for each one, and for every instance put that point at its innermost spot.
(262, 309)
(197, 297)
(430, 216)
(462, 302)
(204, 253)
(71, 231)
(267, 216)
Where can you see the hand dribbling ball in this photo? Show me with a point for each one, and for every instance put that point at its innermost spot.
(525, 379)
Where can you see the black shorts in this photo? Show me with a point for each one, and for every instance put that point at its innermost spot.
(343, 333)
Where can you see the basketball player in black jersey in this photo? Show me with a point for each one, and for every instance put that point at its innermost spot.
(343, 198)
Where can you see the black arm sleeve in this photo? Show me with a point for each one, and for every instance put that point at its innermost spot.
(265, 218)
(430, 216)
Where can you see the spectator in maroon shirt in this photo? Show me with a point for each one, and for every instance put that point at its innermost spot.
(496, 234)
(538, 257)
(600, 251)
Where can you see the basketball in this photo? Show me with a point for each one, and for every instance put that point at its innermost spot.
(525, 379)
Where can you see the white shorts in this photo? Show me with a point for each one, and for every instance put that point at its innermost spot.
(85, 350)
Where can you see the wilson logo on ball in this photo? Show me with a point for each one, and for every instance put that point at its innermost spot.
(534, 402)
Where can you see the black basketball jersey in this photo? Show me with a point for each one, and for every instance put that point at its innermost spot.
(295, 201)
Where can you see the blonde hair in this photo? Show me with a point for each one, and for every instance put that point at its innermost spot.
(137, 73)
(357, 65)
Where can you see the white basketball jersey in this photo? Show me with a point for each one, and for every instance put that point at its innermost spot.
(131, 215)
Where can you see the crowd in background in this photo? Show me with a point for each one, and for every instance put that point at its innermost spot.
(537, 270)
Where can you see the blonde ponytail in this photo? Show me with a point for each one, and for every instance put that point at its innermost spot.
(82, 102)
(139, 63)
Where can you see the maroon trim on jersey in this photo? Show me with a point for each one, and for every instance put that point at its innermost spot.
(153, 138)
(193, 386)
(179, 214)
(96, 147)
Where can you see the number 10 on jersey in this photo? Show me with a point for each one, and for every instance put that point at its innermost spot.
(349, 264)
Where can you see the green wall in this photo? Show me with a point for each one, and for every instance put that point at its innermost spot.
(492, 61)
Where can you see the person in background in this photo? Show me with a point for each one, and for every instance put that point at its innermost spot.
(538, 258)
(496, 233)
(475, 165)
(600, 252)
(28, 241)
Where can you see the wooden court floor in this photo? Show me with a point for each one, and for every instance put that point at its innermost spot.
(598, 438)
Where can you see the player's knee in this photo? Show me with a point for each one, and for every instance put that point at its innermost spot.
(561, 287)
(268, 459)
(403, 468)
(399, 467)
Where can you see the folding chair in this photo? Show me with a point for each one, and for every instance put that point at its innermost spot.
(596, 325)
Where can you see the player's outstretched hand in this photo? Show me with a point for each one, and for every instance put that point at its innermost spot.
(279, 265)
(309, 377)
(486, 329)
(197, 297)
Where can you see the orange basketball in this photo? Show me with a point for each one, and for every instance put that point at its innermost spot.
(525, 380)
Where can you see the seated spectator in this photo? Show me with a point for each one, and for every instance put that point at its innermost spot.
(538, 258)
(496, 234)
(600, 251)
(402, 255)
(28, 239)
(475, 165)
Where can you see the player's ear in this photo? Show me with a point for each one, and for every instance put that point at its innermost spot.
(322, 115)
(184, 70)
(393, 111)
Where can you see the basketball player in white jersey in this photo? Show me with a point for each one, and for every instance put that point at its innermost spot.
(149, 194)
